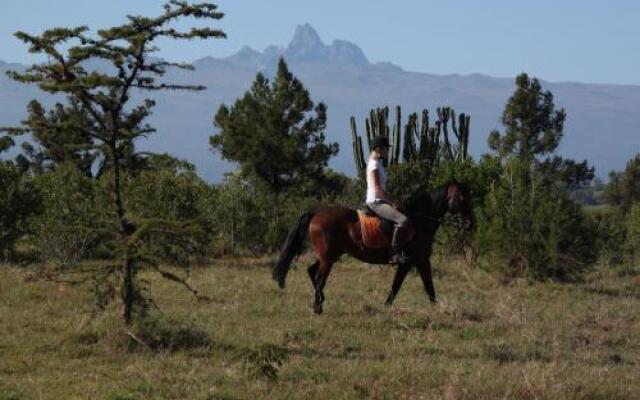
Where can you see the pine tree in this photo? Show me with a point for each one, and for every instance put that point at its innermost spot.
(624, 187)
(528, 219)
(533, 125)
(58, 139)
(102, 99)
(276, 132)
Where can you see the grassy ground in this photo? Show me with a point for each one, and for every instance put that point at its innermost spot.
(484, 339)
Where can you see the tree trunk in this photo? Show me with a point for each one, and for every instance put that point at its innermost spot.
(128, 268)
(128, 290)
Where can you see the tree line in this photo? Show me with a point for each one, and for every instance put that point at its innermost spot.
(80, 189)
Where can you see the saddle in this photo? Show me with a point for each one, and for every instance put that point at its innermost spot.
(377, 233)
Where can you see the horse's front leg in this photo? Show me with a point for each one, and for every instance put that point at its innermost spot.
(401, 273)
(427, 279)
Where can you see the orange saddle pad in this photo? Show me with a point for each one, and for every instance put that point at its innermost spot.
(373, 236)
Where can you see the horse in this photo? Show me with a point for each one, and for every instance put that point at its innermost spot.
(336, 230)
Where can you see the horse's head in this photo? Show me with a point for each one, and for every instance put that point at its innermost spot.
(458, 198)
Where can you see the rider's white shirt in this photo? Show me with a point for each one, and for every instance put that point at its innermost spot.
(372, 165)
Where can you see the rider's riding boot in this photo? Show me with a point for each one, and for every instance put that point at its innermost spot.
(397, 256)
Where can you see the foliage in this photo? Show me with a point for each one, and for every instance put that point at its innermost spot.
(610, 234)
(568, 173)
(533, 124)
(624, 187)
(537, 230)
(632, 241)
(99, 101)
(240, 214)
(19, 200)
(171, 195)
(276, 133)
(529, 222)
(59, 137)
(241, 211)
(74, 222)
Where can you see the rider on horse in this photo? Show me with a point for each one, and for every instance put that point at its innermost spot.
(378, 200)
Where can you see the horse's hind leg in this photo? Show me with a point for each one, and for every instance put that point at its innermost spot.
(324, 269)
(313, 272)
(401, 273)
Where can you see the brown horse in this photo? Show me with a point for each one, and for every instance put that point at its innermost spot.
(335, 231)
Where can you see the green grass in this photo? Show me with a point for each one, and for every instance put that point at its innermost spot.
(484, 339)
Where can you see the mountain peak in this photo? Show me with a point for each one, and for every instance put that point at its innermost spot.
(344, 52)
(306, 46)
(306, 35)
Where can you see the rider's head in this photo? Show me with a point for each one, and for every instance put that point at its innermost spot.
(381, 146)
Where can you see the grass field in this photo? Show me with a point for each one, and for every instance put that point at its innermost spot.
(484, 339)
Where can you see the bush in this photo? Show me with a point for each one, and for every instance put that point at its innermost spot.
(241, 213)
(611, 234)
(632, 241)
(534, 230)
(170, 207)
(19, 200)
(74, 220)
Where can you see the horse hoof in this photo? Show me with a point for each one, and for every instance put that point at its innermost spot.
(388, 303)
(433, 300)
(317, 309)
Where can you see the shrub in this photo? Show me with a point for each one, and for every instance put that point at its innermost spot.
(19, 200)
(172, 204)
(610, 233)
(632, 241)
(74, 219)
(534, 230)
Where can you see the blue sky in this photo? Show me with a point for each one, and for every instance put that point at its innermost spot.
(570, 40)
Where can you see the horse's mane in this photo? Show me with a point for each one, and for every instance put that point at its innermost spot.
(424, 204)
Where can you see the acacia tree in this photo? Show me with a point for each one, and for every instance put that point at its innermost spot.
(276, 132)
(102, 99)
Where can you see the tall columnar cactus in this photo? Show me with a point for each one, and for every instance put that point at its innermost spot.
(418, 141)
(376, 125)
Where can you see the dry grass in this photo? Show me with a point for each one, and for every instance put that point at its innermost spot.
(484, 339)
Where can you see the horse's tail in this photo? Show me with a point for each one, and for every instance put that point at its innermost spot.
(291, 248)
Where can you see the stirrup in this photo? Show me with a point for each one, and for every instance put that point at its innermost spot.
(399, 257)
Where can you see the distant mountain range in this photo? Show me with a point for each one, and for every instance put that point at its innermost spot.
(603, 123)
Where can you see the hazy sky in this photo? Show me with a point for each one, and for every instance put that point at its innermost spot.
(568, 40)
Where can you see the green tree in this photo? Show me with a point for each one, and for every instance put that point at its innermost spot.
(104, 98)
(277, 133)
(535, 229)
(624, 187)
(58, 137)
(533, 124)
(528, 219)
(171, 194)
(74, 219)
(19, 200)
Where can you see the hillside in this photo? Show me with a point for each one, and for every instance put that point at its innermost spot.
(603, 123)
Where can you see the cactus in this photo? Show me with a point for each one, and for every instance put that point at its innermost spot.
(376, 125)
(419, 141)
